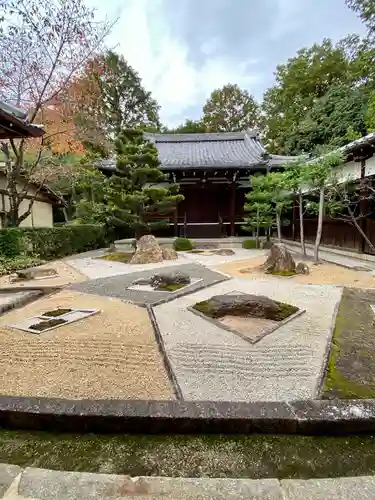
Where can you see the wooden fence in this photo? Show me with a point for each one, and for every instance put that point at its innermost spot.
(336, 233)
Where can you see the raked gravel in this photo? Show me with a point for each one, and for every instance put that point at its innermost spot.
(213, 364)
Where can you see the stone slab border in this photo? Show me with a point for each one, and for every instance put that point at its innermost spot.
(259, 337)
(166, 361)
(314, 417)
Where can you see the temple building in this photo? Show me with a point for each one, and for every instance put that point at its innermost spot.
(213, 171)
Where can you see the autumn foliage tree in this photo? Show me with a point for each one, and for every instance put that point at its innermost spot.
(109, 96)
(43, 46)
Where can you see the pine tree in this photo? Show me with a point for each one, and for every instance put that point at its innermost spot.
(136, 195)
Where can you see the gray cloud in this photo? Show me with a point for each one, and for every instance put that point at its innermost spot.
(265, 32)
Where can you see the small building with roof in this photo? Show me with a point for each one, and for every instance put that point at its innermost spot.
(213, 171)
(14, 125)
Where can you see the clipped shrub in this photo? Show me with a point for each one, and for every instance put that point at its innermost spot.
(10, 242)
(52, 242)
(182, 245)
(249, 244)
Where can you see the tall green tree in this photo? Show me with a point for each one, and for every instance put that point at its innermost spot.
(366, 11)
(136, 191)
(335, 119)
(258, 208)
(110, 97)
(188, 127)
(319, 175)
(230, 109)
(292, 106)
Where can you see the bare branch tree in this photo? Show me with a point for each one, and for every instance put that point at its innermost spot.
(44, 45)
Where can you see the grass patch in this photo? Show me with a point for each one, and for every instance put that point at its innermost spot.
(57, 312)
(171, 287)
(123, 257)
(193, 456)
(350, 371)
(197, 251)
(44, 325)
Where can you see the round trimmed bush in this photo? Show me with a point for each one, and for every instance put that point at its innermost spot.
(182, 245)
(249, 244)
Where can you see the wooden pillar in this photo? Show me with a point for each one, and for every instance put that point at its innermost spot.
(175, 222)
(363, 204)
(232, 208)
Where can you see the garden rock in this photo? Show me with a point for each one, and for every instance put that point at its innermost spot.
(224, 251)
(169, 254)
(302, 268)
(169, 279)
(280, 260)
(31, 273)
(148, 251)
(246, 305)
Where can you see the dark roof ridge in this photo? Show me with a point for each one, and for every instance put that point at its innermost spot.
(202, 136)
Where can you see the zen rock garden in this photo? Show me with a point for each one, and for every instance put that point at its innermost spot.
(233, 325)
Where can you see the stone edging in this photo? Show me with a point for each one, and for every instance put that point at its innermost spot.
(167, 364)
(311, 417)
(241, 335)
(39, 484)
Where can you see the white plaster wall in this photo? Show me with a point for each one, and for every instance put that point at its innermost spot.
(349, 171)
(370, 166)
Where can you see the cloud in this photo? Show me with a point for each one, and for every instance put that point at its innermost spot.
(183, 50)
(163, 61)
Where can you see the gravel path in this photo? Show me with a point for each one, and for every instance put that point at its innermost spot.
(322, 274)
(213, 364)
(110, 355)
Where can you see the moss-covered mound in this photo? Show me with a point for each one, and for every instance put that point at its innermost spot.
(246, 305)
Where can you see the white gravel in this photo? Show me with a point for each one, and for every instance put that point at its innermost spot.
(94, 268)
(213, 364)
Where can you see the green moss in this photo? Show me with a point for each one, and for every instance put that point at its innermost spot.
(285, 310)
(204, 307)
(339, 381)
(249, 244)
(44, 325)
(282, 273)
(196, 251)
(118, 257)
(56, 312)
(249, 456)
(170, 287)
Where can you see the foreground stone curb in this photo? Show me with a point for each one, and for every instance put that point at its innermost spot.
(313, 417)
(41, 484)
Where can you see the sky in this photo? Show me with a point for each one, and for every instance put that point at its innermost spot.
(185, 49)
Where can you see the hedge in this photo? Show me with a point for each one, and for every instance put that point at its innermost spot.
(249, 244)
(49, 243)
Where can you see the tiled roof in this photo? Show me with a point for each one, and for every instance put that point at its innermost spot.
(14, 124)
(221, 150)
(210, 150)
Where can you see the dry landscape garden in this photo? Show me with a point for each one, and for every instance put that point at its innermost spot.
(216, 278)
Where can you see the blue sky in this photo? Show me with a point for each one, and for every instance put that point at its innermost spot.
(184, 49)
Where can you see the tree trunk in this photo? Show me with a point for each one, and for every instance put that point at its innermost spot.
(301, 226)
(278, 226)
(320, 225)
(257, 230)
(360, 230)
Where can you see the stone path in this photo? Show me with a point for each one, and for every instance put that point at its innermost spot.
(116, 286)
(213, 364)
(41, 484)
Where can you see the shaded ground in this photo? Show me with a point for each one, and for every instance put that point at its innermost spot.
(351, 368)
(193, 456)
(109, 355)
(324, 273)
(66, 275)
